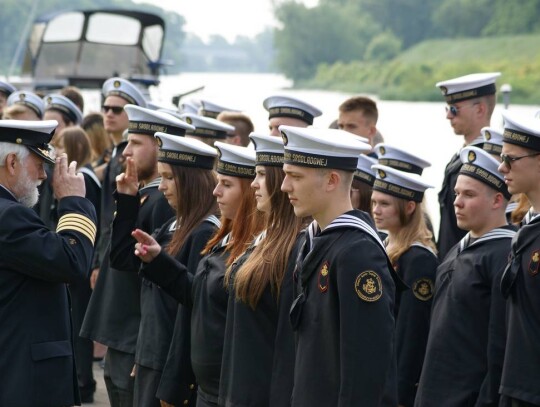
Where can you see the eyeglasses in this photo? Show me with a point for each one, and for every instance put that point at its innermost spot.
(508, 160)
(115, 109)
(454, 110)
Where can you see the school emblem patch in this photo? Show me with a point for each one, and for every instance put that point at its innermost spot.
(368, 286)
(423, 289)
(323, 277)
(534, 263)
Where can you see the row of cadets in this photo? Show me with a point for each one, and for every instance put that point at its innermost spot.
(114, 312)
(520, 383)
(258, 351)
(203, 291)
(343, 276)
(397, 207)
(466, 341)
(163, 360)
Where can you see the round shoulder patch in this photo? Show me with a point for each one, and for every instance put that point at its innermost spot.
(423, 289)
(368, 286)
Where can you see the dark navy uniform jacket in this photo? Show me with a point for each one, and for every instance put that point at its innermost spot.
(113, 314)
(207, 297)
(465, 350)
(258, 353)
(344, 318)
(37, 365)
(416, 267)
(521, 286)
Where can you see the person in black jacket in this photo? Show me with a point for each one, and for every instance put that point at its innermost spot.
(520, 383)
(204, 291)
(466, 342)
(163, 362)
(343, 315)
(37, 364)
(397, 208)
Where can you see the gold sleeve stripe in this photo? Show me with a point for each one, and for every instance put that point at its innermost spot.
(77, 223)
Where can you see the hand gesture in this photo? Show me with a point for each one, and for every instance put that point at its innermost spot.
(66, 181)
(127, 182)
(146, 248)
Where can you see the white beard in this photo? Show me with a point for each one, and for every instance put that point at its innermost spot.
(29, 194)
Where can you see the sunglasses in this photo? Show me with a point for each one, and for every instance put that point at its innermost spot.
(454, 110)
(115, 109)
(509, 160)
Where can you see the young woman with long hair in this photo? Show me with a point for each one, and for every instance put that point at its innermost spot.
(362, 184)
(162, 360)
(204, 292)
(258, 353)
(397, 207)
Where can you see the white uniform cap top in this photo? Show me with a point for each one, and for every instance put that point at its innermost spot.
(125, 89)
(322, 148)
(206, 126)
(400, 159)
(400, 184)
(269, 149)
(493, 140)
(287, 106)
(7, 88)
(480, 165)
(235, 161)
(61, 103)
(212, 110)
(187, 152)
(363, 171)
(28, 99)
(147, 121)
(521, 130)
(469, 86)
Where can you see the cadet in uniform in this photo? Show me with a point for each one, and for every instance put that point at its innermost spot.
(358, 115)
(344, 314)
(37, 363)
(470, 102)
(6, 89)
(465, 347)
(211, 109)
(520, 383)
(286, 110)
(24, 105)
(397, 208)
(163, 362)
(113, 314)
(206, 129)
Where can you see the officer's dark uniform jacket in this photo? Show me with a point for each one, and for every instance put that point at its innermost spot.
(207, 297)
(113, 314)
(416, 267)
(344, 317)
(466, 341)
(521, 286)
(258, 354)
(37, 361)
(449, 233)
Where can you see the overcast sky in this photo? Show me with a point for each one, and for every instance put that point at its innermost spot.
(228, 18)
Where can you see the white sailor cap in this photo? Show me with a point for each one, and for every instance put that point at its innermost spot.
(35, 135)
(147, 121)
(480, 165)
(206, 126)
(363, 171)
(125, 89)
(493, 140)
(186, 152)
(322, 148)
(521, 130)
(190, 106)
(236, 161)
(469, 86)
(268, 149)
(7, 88)
(28, 99)
(287, 106)
(400, 159)
(158, 106)
(212, 109)
(64, 105)
(404, 185)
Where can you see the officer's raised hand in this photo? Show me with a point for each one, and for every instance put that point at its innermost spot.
(66, 181)
(128, 182)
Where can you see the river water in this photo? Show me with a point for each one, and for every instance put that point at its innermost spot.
(418, 127)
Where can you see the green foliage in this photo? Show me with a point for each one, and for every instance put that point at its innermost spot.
(383, 47)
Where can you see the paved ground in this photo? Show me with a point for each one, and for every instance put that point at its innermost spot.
(100, 397)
